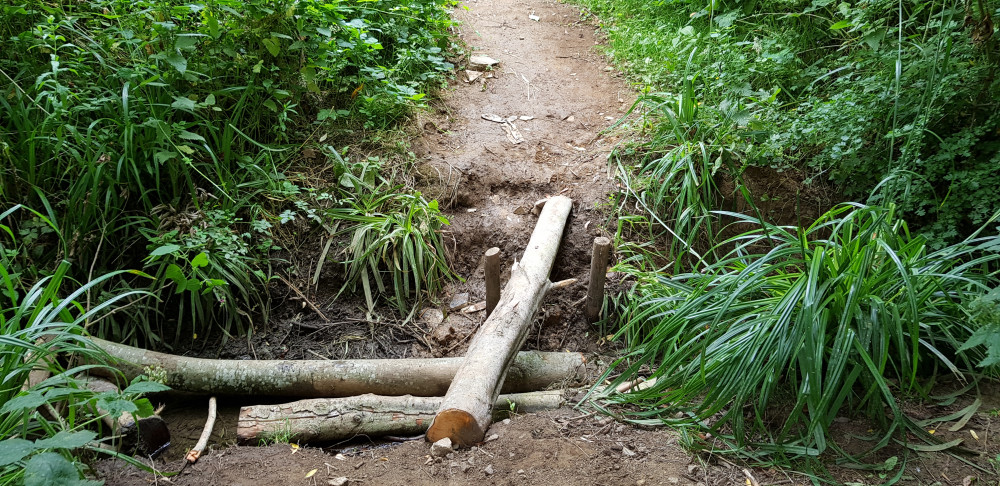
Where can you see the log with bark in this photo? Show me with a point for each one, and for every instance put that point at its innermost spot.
(332, 378)
(329, 419)
(465, 413)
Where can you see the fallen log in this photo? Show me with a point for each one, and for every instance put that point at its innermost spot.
(329, 419)
(333, 378)
(465, 413)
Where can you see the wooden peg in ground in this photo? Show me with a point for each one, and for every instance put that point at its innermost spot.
(466, 412)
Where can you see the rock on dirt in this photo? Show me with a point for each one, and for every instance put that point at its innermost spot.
(341, 481)
(442, 448)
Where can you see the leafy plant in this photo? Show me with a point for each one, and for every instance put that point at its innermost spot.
(44, 424)
(848, 312)
(139, 126)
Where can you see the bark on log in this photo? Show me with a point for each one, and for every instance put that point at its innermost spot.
(332, 378)
(148, 435)
(465, 414)
(329, 419)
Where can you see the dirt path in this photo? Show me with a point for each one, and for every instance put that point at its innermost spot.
(550, 76)
(550, 71)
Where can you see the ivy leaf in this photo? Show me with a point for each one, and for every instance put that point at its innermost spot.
(177, 60)
(30, 400)
(186, 135)
(52, 468)
(200, 261)
(164, 250)
(181, 103)
(66, 440)
(13, 450)
(840, 25)
(272, 45)
(174, 273)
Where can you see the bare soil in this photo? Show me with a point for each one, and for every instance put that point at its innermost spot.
(551, 72)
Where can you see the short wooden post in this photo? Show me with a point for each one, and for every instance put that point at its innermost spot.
(598, 272)
(492, 279)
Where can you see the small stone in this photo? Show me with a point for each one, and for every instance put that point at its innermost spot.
(506, 421)
(459, 301)
(520, 471)
(442, 448)
(489, 470)
(432, 316)
(673, 480)
(341, 481)
(480, 62)
(640, 482)
(465, 467)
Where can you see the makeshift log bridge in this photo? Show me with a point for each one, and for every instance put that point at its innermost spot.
(333, 378)
(466, 412)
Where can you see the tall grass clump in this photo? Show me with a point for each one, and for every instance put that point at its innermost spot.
(845, 93)
(45, 426)
(793, 327)
(159, 134)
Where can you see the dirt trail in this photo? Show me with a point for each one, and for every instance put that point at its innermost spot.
(549, 71)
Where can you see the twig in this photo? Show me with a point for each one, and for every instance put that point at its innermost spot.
(193, 455)
(304, 299)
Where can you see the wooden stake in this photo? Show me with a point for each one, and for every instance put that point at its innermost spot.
(492, 279)
(598, 273)
(465, 414)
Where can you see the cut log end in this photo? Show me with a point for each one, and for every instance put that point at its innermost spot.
(458, 425)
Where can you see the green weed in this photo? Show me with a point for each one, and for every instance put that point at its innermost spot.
(850, 312)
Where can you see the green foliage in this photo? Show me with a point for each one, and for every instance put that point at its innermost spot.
(845, 314)
(985, 314)
(391, 241)
(152, 133)
(41, 426)
(849, 92)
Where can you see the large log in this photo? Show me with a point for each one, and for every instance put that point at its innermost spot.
(329, 419)
(465, 414)
(333, 378)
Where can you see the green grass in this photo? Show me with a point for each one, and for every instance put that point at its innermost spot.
(846, 93)
(798, 325)
(44, 427)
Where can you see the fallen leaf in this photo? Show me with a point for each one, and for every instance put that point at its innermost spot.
(310, 473)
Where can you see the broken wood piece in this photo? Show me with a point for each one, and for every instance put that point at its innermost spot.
(330, 419)
(332, 378)
(598, 275)
(195, 452)
(465, 415)
(492, 279)
(477, 307)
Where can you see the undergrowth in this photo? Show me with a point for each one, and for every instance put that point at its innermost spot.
(47, 423)
(163, 135)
